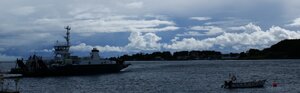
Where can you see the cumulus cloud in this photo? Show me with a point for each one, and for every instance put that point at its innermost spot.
(256, 38)
(249, 36)
(137, 42)
(188, 44)
(84, 47)
(210, 30)
(296, 22)
(200, 18)
(249, 28)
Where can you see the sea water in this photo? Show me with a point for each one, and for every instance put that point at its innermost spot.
(198, 76)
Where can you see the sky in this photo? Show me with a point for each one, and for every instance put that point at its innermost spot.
(118, 27)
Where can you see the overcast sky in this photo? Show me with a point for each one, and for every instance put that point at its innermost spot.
(119, 27)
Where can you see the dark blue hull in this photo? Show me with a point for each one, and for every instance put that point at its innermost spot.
(72, 70)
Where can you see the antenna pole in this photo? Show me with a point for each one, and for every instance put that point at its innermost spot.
(68, 28)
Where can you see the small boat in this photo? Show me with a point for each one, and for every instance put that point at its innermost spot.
(250, 84)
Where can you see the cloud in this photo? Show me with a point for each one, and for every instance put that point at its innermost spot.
(188, 44)
(295, 23)
(135, 5)
(139, 41)
(210, 30)
(43, 50)
(229, 21)
(84, 47)
(249, 28)
(111, 24)
(256, 38)
(200, 18)
(190, 33)
(250, 36)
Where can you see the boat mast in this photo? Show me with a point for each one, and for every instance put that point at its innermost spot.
(61, 49)
(67, 37)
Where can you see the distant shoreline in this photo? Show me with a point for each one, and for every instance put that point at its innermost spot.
(285, 49)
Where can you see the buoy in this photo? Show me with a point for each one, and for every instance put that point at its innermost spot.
(274, 84)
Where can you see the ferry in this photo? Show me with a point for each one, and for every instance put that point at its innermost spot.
(63, 63)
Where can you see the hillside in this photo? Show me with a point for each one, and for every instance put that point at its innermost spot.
(286, 49)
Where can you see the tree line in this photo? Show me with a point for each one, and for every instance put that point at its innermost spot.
(285, 49)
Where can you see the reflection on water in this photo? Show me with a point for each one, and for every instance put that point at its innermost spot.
(174, 76)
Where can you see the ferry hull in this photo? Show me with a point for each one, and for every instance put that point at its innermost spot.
(71, 70)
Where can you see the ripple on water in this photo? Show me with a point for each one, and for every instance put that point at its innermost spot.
(200, 76)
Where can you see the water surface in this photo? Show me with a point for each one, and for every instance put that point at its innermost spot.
(201, 76)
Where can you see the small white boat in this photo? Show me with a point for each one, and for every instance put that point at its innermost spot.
(250, 84)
